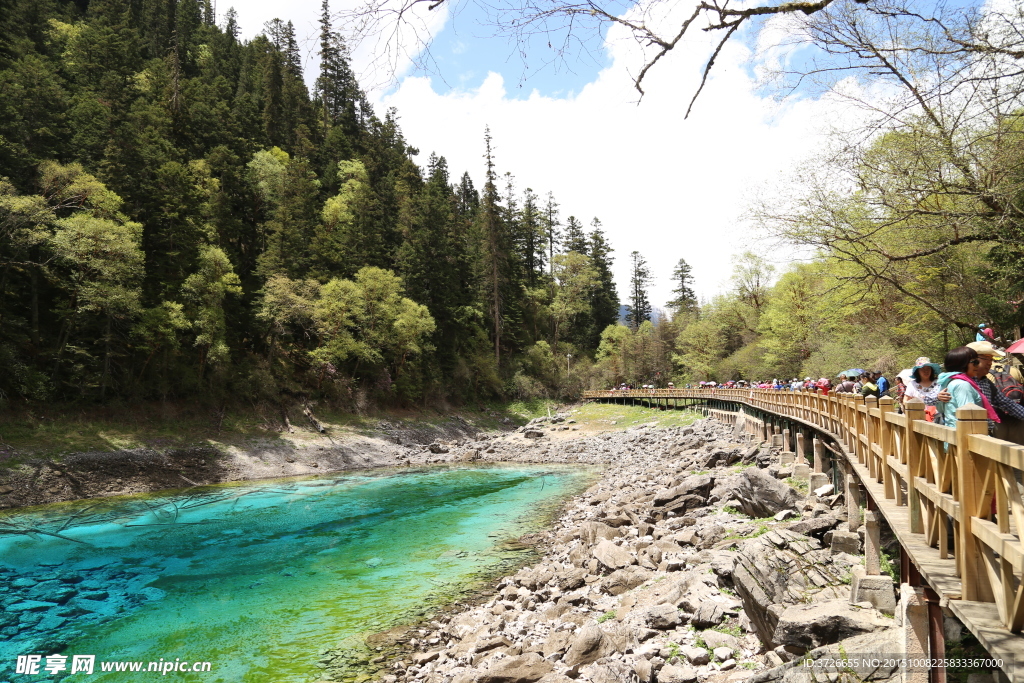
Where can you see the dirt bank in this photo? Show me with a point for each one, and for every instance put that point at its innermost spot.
(36, 480)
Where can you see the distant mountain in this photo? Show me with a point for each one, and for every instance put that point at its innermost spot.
(658, 315)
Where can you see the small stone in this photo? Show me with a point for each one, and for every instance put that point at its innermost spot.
(421, 658)
(825, 490)
(671, 673)
(845, 542)
(31, 606)
(722, 653)
(695, 655)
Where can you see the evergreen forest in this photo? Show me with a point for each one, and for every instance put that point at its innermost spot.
(182, 218)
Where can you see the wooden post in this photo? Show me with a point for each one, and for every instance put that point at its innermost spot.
(885, 406)
(870, 403)
(970, 419)
(914, 410)
(859, 427)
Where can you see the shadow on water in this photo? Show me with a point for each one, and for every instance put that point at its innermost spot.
(267, 581)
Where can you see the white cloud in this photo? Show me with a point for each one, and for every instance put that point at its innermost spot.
(667, 187)
(388, 52)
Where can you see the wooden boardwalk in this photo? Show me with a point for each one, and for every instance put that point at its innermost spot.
(927, 481)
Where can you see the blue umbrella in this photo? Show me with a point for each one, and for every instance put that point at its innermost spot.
(856, 372)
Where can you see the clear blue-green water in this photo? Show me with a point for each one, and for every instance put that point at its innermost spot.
(259, 579)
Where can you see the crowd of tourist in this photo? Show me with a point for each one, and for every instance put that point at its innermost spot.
(979, 373)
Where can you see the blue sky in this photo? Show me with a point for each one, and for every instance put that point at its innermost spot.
(462, 53)
(667, 187)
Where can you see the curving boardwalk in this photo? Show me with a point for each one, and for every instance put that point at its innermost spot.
(929, 482)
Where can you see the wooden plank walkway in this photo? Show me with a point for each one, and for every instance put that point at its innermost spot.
(917, 474)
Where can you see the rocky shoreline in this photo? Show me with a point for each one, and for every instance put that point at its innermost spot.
(696, 557)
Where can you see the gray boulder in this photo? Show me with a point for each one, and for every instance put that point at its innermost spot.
(676, 674)
(662, 617)
(520, 669)
(757, 492)
(622, 580)
(824, 623)
(589, 645)
(612, 671)
(691, 492)
(796, 671)
(779, 569)
(612, 556)
(595, 532)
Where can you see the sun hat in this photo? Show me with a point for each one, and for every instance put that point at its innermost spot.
(936, 371)
(922, 360)
(984, 348)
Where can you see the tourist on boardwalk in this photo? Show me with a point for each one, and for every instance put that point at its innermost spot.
(960, 385)
(882, 383)
(902, 381)
(1008, 424)
(868, 386)
(847, 386)
(924, 385)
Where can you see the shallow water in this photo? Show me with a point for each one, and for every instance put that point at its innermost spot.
(257, 578)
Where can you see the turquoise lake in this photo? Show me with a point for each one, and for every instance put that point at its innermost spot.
(258, 578)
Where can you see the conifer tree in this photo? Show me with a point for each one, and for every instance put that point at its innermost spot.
(639, 309)
(685, 300)
(552, 233)
(532, 238)
(604, 303)
(575, 237)
(495, 249)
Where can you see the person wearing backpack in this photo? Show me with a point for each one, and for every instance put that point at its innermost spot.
(1006, 378)
(1010, 426)
(882, 383)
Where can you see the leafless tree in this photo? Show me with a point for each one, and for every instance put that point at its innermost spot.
(558, 31)
(935, 170)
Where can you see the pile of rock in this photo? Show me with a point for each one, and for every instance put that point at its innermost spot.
(32, 610)
(686, 562)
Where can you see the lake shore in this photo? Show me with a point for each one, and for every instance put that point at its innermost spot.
(692, 559)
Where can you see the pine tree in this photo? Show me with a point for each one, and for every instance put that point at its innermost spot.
(532, 238)
(639, 309)
(495, 249)
(551, 226)
(685, 299)
(604, 303)
(575, 237)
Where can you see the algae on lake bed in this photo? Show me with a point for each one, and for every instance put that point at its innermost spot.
(258, 578)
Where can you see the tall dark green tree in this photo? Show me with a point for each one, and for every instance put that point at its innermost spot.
(575, 237)
(552, 229)
(604, 303)
(639, 309)
(685, 300)
(495, 252)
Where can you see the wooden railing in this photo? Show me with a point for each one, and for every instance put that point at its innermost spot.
(942, 476)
